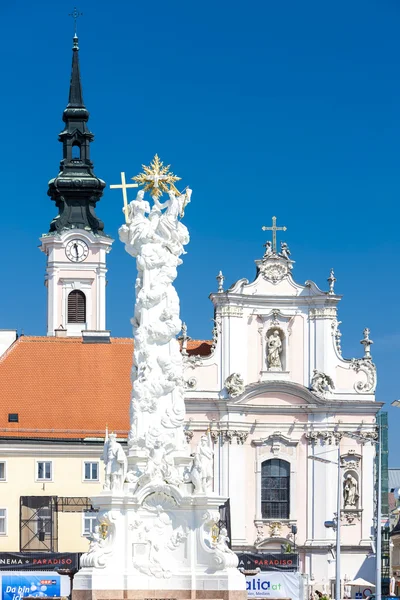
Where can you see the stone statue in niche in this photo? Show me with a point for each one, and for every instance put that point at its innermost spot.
(274, 351)
(115, 464)
(201, 474)
(350, 491)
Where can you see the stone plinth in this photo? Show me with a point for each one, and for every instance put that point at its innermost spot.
(159, 544)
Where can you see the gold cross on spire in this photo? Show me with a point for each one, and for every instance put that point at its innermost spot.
(123, 186)
(274, 229)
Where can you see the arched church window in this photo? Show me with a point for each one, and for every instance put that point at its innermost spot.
(76, 151)
(275, 489)
(76, 307)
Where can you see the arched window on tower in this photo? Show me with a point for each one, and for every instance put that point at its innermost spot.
(76, 151)
(76, 307)
(275, 489)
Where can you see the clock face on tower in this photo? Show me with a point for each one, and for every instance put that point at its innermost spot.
(76, 250)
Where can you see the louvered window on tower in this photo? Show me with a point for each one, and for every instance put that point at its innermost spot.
(76, 307)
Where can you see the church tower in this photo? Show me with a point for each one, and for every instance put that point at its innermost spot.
(76, 245)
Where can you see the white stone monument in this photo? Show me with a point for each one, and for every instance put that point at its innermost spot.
(159, 528)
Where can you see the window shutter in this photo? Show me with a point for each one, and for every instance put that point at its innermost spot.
(76, 307)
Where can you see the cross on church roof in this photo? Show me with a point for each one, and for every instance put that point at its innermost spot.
(274, 229)
(75, 15)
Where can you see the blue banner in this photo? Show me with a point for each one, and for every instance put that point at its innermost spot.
(16, 587)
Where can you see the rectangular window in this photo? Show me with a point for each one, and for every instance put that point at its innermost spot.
(3, 472)
(44, 471)
(91, 471)
(3, 521)
(89, 522)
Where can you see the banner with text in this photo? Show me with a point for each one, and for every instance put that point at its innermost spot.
(268, 562)
(274, 585)
(16, 587)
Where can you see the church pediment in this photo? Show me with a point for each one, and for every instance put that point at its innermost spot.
(277, 393)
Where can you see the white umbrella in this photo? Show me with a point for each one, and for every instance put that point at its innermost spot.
(360, 582)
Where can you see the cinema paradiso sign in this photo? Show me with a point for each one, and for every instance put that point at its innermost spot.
(45, 561)
(268, 562)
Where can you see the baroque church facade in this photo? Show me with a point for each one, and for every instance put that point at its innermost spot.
(271, 386)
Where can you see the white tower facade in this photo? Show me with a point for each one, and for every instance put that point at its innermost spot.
(76, 280)
(76, 245)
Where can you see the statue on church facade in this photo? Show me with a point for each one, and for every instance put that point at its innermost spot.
(321, 383)
(274, 350)
(201, 474)
(115, 464)
(350, 492)
(234, 385)
(285, 252)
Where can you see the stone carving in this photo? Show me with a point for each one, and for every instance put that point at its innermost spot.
(229, 310)
(367, 367)
(184, 338)
(188, 435)
(326, 437)
(201, 474)
(220, 279)
(150, 542)
(234, 385)
(190, 384)
(285, 252)
(225, 557)
(95, 556)
(241, 437)
(274, 350)
(351, 515)
(275, 529)
(115, 464)
(350, 461)
(156, 241)
(350, 491)
(268, 249)
(259, 525)
(367, 343)
(275, 322)
(160, 465)
(331, 280)
(274, 268)
(337, 335)
(101, 545)
(329, 312)
(321, 383)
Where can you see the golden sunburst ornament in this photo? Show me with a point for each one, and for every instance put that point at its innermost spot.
(156, 178)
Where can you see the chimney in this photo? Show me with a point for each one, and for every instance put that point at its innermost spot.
(60, 332)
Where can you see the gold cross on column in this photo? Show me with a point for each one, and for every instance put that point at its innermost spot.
(124, 186)
(274, 229)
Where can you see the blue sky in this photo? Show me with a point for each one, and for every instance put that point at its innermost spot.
(265, 108)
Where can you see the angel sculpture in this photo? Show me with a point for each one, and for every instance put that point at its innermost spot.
(321, 383)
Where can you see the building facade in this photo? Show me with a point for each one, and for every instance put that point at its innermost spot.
(289, 416)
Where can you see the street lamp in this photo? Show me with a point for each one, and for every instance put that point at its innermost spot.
(335, 524)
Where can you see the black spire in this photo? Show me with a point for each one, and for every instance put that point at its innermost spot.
(76, 189)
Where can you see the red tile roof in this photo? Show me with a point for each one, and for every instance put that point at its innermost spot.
(64, 388)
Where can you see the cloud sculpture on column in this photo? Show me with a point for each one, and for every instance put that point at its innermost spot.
(160, 525)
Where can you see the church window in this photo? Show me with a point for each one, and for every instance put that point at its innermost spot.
(3, 521)
(76, 151)
(275, 489)
(76, 307)
(91, 471)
